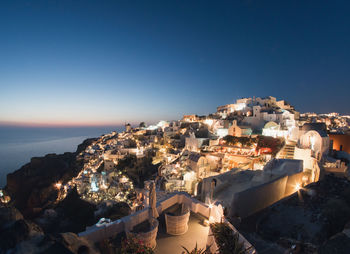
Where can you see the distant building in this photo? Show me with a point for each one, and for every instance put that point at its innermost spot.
(127, 127)
(189, 118)
(194, 144)
(239, 130)
(246, 106)
(341, 142)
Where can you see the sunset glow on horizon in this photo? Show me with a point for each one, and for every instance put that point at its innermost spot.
(60, 124)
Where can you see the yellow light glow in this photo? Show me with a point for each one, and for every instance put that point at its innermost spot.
(297, 187)
(210, 206)
(305, 179)
(58, 185)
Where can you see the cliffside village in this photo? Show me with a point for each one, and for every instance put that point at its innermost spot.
(237, 143)
(230, 164)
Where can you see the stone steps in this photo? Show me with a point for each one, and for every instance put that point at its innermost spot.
(287, 151)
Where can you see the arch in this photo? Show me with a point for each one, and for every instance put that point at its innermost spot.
(312, 140)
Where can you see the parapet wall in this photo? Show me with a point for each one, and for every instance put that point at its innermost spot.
(248, 202)
(293, 182)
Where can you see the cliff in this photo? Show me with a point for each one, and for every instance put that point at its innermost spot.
(18, 235)
(32, 186)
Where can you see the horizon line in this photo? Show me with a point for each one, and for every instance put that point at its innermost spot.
(59, 125)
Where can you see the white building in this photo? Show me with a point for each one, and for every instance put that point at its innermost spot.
(194, 144)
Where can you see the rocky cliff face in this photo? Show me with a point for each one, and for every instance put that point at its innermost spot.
(18, 235)
(14, 229)
(32, 190)
(32, 187)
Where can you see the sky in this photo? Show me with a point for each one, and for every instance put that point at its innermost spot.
(110, 62)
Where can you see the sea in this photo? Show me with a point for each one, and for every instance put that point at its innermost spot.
(19, 144)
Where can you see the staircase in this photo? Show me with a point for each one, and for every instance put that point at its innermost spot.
(287, 152)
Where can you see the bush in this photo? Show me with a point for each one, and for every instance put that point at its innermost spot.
(196, 250)
(244, 141)
(135, 246)
(275, 144)
(226, 239)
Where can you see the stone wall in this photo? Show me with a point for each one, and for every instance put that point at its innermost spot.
(293, 182)
(252, 200)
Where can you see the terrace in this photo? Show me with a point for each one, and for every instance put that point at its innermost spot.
(166, 243)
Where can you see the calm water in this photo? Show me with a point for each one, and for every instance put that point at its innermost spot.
(19, 144)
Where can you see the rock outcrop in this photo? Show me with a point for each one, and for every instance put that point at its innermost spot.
(14, 229)
(69, 243)
(73, 214)
(18, 235)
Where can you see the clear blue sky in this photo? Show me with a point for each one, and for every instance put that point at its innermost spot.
(106, 62)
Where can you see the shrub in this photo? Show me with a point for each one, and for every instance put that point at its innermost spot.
(135, 246)
(275, 144)
(196, 250)
(226, 239)
(243, 141)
